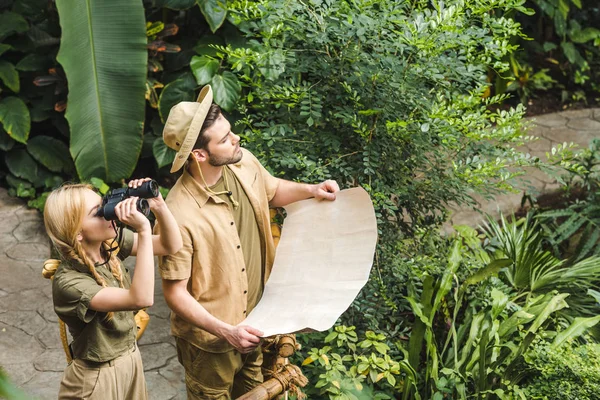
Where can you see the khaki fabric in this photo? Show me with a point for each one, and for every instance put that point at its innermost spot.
(211, 256)
(94, 338)
(119, 379)
(218, 376)
(247, 229)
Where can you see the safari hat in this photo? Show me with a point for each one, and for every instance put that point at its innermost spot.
(183, 125)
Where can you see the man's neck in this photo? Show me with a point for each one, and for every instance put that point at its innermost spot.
(211, 174)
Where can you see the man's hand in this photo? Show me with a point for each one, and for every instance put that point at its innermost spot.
(244, 338)
(326, 190)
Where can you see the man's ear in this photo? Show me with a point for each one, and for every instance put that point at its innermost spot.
(200, 155)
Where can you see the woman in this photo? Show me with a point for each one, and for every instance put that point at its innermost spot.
(93, 292)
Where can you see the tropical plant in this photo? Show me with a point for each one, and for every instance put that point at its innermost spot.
(381, 95)
(532, 270)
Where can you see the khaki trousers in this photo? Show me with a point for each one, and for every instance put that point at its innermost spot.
(218, 376)
(118, 379)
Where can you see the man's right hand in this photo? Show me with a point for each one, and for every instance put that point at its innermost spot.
(244, 338)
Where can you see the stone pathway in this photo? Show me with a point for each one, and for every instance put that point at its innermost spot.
(30, 347)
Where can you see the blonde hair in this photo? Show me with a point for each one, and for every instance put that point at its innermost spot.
(63, 218)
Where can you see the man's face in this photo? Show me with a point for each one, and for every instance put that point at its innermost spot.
(223, 145)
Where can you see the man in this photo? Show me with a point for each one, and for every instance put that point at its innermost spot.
(221, 203)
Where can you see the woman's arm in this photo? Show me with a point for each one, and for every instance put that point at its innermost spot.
(141, 292)
(168, 240)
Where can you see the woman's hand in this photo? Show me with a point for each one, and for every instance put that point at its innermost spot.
(128, 213)
(154, 202)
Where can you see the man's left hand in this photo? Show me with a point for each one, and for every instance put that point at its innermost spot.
(326, 190)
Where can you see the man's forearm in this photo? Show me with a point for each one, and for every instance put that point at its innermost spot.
(184, 305)
(289, 192)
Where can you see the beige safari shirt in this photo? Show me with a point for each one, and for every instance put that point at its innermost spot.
(211, 256)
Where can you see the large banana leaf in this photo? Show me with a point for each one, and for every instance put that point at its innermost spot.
(103, 52)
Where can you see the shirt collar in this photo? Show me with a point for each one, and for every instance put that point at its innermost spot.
(197, 191)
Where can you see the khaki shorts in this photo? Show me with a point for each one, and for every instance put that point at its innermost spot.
(121, 378)
(218, 376)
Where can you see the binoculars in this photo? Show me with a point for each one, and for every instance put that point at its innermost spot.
(147, 190)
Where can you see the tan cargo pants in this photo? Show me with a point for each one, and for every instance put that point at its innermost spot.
(218, 376)
(118, 379)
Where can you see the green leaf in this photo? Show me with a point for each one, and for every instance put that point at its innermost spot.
(51, 153)
(32, 62)
(584, 35)
(577, 3)
(227, 90)
(14, 116)
(11, 22)
(214, 11)
(22, 165)
(162, 154)
(576, 329)
(99, 184)
(4, 48)
(175, 92)
(6, 143)
(9, 76)
(107, 83)
(204, 68)
(572, 53)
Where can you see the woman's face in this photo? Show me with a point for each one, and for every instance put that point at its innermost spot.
(95, 229)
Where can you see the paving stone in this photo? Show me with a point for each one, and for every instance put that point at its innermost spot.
(49, 336)
(16, 346)
(596, 113)
(174, 373)
(17, 276)
(47, 312)
(158, 387)
(157, 331)
(584, 125)
(560, 135)
(576, 114)
(51, 360)
(44, 385)
(29, 322)
(160, 308)
(31, 231)
(19, 373)
(23, 300)
(29, 214)
(8, 225)
(157, 355)
(29, 252)
(550, 120)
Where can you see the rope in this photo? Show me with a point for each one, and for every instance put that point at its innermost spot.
(290, 377)
(50, 266)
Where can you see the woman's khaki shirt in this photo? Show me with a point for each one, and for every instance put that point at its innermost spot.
(94, 337)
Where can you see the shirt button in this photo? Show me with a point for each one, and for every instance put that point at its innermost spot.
(232, 223)
(245, 291)
(244, 311)
(238, 246)
(243, 269)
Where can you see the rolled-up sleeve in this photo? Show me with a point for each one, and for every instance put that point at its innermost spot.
(178, 266)
(72, 295)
